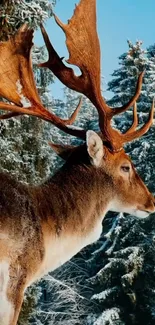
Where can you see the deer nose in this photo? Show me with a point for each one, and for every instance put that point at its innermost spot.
(150, 206)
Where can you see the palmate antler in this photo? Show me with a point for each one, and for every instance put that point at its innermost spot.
(84, 52)
(18, 86)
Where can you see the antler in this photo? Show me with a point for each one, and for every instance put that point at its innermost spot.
(84, 52)
(135, 120)
(132, 133)
(18, 86)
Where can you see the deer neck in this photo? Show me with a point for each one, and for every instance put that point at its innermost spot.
(74, 199)
(71, 214)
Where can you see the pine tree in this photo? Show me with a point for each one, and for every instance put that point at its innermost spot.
(151, 57)
(16, 12)
(151, 51)
(124, 282)
(124, 82)
(30, 307)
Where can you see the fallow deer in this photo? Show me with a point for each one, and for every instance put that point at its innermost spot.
(41, 227)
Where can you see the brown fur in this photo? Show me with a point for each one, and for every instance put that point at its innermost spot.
(68, 205)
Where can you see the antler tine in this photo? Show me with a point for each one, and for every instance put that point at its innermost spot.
(135, 120)
(75, 113)
(118, 110)
(138, 133)
(14, 114)
(9, 115)
(40, 111)
(18, 86)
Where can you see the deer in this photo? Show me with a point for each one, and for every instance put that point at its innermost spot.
(42, 226)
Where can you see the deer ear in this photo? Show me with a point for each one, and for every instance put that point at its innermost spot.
(94, 147)
(61, 150)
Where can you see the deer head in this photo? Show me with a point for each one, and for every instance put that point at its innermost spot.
(129, 193)
(98, 175)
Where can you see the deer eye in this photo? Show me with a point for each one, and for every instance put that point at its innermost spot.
(125, 169)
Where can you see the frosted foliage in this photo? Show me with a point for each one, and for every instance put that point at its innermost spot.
(24, 151)
(134, 61)
(29, 307)
(44, 78)
(65, 301)
(102, 296)
(125, 277)
(15, 13)
(142, 153)
(24, 148)
(109, 317)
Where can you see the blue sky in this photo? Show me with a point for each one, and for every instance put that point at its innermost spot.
(118, 20)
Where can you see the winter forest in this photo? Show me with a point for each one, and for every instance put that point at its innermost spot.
(111, 282)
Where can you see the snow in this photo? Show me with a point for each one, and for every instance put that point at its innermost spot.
(22, 10)
(109, 317)
(104, 294)
(24, 101)
(72, 127)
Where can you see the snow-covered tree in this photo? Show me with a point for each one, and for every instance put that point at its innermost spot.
(30, 308)
(151, 51)
(151, 57)
(124, 79)
(24, 150)
(124, 285)
(16, 12)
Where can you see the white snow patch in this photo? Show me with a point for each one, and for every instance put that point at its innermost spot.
(72, 127)
(109, 317)
(103, 294)
(24, 101)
